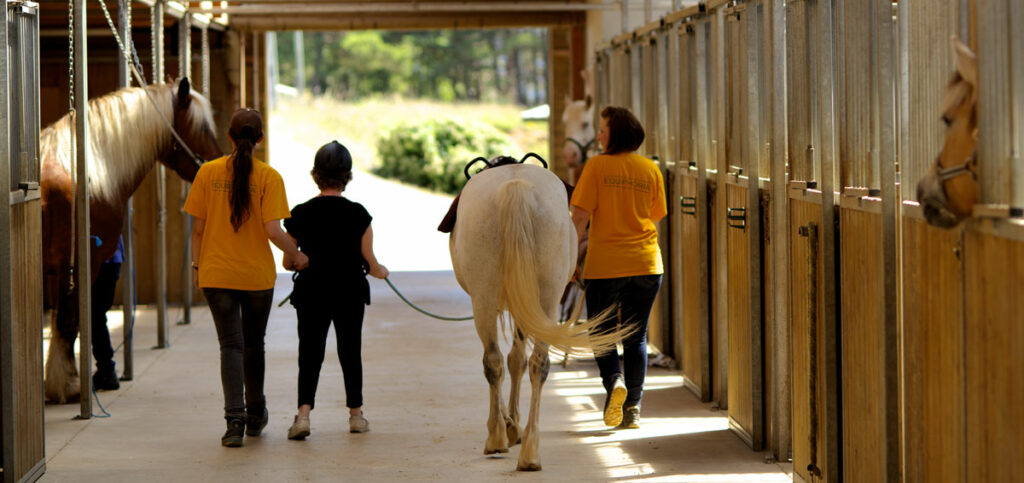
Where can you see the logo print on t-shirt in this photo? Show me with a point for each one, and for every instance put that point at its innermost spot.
(224, 186)
(626, 182)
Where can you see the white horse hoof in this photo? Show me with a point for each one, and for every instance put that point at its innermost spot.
(490, 451)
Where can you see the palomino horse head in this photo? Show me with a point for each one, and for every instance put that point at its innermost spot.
(949, 190)
(193, 121)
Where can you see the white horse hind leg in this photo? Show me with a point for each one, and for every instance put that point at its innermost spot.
(516, 368)
(540, 364)
(485, 315)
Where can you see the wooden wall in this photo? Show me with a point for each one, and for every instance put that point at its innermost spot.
(27, 317)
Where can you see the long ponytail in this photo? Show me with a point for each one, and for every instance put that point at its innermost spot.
(246, 130)
(241, 168)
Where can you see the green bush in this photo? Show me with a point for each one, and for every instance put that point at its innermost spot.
(433, 153)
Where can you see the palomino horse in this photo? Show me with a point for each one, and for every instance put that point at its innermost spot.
(514, 249)
(949, 190)
(127, 136)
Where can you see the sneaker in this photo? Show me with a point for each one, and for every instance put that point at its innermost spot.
(630, 418)
(358, 424)
(300, 428)
(255, 424)
(105, 380)
(233, 436)
(613, 403)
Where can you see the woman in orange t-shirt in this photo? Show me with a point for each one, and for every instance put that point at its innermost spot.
(238, 204)
(622, 195)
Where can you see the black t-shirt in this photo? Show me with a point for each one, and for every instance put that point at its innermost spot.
(330, 231)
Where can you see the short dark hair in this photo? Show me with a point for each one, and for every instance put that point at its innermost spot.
(625, 134)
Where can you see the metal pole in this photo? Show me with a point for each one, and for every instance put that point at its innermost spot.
(257, 96)
(242, 101)
(782, 392)
(625, 16)
(206, 62)
(124, 21)
(6, 281)
(83, 278)
(300, 64)
(162, 330)
(185, 70)
(272, 68)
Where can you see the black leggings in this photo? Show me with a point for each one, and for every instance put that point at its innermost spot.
(241, 320)
(314, 321)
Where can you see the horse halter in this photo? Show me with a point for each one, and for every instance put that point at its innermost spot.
(582, 147)
(946, 174)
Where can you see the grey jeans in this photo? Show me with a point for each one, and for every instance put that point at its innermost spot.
(241, 320)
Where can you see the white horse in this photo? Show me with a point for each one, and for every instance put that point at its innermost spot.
(578, 121)
(514, 249)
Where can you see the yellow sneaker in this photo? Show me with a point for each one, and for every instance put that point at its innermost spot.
(613, 406)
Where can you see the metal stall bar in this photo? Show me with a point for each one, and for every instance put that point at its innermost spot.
(206, 61)
(826, 115)
(185, 70)
(1016, 16)
(6, 279)
(886, 115)
(750, 125)
(995, 111)
(162, 329)
(124, 79)
(83, 278)
(781, 391)
(719, 136)
(702, 155)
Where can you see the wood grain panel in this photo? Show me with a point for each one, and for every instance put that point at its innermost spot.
(741, 407)
(994, 269)
(719, 319)
(27, 318)
(933, 353)
(695, 309)
(861, 339)
(803, 213)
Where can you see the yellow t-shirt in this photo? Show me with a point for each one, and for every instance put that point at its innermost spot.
(625, 195)
(239, 260)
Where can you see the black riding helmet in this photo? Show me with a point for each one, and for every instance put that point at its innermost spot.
(332, 159)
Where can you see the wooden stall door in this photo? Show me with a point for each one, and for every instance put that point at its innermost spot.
(26, 343)
(861, 339)
(745, 356)
(933, 353)
(695, 358)
(807, 305)
(994, 269)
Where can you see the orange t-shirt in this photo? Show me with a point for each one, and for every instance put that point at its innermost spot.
(239, 260)
(625, 195)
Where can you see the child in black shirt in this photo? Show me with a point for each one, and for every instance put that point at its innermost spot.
(336, 235)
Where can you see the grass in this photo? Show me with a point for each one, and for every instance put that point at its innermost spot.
(315, 121)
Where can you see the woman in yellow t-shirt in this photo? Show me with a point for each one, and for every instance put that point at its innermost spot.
(622, 195)
(238, 204)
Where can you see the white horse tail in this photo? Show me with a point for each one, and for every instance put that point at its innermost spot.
(520, 291)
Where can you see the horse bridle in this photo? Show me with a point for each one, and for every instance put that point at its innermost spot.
(946, 174)
(581, 146)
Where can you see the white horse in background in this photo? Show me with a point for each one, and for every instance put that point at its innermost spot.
(513, 250)
(578, 121)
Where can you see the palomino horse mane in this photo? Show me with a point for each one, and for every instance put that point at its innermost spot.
(123, 151)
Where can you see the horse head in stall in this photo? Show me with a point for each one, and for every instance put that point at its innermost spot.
(949, 190)
(578, 119)
(513, 251)
(127, 136)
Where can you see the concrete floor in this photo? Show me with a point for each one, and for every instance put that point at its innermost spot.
(425, 397)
